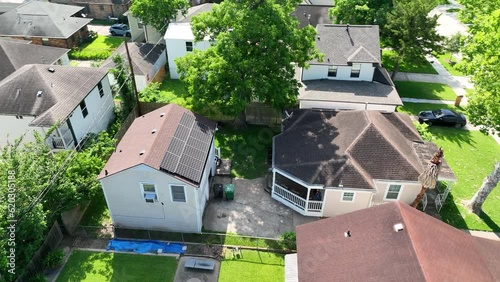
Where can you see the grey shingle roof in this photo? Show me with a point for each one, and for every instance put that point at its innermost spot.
(342, 45)
(16, 53)
(42, 19)
(312, 14)
(193, 11)
(62, 91)
(349, 91)
(138, 51)
(172, 148)
(348, 147)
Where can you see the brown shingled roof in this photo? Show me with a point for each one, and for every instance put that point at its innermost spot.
(425, 250)
(164, 122)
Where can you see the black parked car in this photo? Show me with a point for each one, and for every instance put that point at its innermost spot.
(442, 117)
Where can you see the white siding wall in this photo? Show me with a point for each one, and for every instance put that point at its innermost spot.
(129, 209)
(100, 112)
(407, 195)
(140, 82)
(382, 108)
(308, 104)
(343, 73)
(133, 24)
(12, 128)
(152, 35)
(333, 204)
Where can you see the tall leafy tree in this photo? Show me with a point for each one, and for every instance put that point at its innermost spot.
(474, 8)
(158, 13)
(255, 47)
(361, 12)
(480, 61)
(410, 32)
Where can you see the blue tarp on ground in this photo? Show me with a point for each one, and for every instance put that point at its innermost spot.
(151, 246)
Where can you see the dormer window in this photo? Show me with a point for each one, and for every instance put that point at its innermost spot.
(332, 71)
(356, 68)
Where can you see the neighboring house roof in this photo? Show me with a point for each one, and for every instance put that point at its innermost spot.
(42, 19)
(14, 55)
(346, 44)
(144, 56)
(351, 148)
(179, 145)
(426, 249)
(312, 14)
(61, 91)
(362, 92)
(108, 2)
(194, 11)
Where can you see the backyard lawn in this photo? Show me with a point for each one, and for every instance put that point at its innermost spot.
(253, 266)
(95, 266)
(389, 60)
(99, 49)
(425, 90)
(414, 108)
(97, 214)
(247, 148)
(445, 61)
(471, 155)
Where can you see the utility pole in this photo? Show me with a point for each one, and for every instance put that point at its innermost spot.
(133, 80)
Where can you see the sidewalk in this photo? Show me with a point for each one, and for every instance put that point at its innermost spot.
(484, 234)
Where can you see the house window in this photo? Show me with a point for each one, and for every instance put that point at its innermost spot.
(347, 197)
(393, 192)
(19, 117)
(355, 69)
(45, 41)
(101, 90)
(189, 46)
(332, 71)
(101, 7)
(149, 192)
(178, 193)
(83, 107)
(140, 24)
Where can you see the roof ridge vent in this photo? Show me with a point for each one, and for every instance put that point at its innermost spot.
(398, 227)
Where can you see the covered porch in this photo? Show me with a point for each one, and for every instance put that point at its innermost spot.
(305, 200)
(61, 138)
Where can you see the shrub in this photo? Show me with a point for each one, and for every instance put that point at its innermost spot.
(53, 259)
(288, 240)
(38, 278)
(89, 54)
(423, 130)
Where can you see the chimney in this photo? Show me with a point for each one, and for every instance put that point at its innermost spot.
(398, 227)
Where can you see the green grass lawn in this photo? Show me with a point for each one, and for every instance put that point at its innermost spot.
(247, 149)
(425, 90)
(94, 266)
(444, 59)
(471, 155)
(99, 49)
(174, 91)
(253, 266)
(414, 108)
(389, 59)
(97, 214)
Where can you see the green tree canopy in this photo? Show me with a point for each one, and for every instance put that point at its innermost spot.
(361, 12)
(410, 32)
(475, 8)
(158, 13)
(255, 47)
(480, 61)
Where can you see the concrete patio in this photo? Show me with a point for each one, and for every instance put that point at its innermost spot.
(252, 212)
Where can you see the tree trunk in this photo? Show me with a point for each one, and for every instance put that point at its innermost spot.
(396, 69)
(476, 203)
(240, 122)
(419, 197)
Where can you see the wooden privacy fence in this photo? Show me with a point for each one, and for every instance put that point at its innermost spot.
(52, 240)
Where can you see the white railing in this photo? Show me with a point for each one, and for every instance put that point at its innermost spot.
(439, 202)
(314, 206)
(289, 197)
(424, 202)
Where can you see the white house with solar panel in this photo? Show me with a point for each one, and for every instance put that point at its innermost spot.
(158, 176)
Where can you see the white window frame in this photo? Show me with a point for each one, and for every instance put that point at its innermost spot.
(399, 194)
(334, 70)
(353, 197)
(143, 193)
(356, 70)
(172, 194)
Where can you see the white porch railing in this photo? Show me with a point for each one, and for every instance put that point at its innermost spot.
(57, 143)
(290, 197)
(314, 206)
(424, 202)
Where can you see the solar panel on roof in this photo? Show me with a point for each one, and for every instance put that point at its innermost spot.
(188, 149)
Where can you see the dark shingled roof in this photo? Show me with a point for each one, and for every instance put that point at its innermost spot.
(62, 90)
(16, 53)
(348, 147)
(42, 19)
(343, 45)
(349, 91)
(312, 14)
(180, 145)
(142, 64)
(426, 249)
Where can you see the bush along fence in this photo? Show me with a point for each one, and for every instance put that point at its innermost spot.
(284, 244)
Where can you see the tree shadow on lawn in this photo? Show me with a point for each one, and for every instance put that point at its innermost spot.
(457, 136)
(488, 221)
(424, 90)
(450, 213)
(81, 263)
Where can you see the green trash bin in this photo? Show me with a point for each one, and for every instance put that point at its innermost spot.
(229, 191)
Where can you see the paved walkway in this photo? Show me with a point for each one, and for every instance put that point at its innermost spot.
(426, 101)
(484, 234)
(448, 24)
